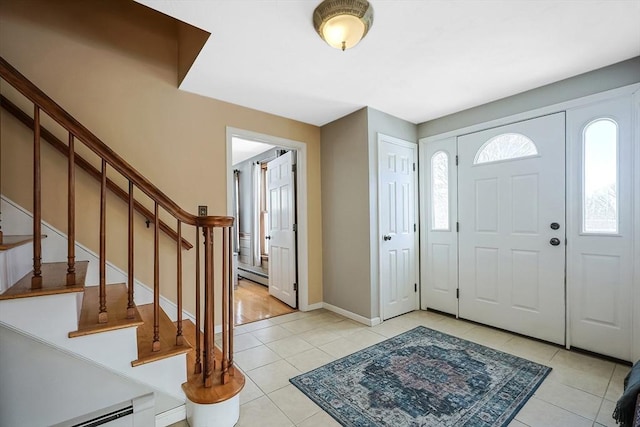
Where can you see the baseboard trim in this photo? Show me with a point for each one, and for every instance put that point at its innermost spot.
(311, 307)
(353, 316)
(171, 416)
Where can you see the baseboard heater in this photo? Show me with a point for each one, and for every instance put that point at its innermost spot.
(106, 418)
(139, 411)
(257, 273)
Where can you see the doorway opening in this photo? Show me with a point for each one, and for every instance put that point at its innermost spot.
(265, 241)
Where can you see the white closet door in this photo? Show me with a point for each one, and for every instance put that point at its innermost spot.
(398, 226)
(511, 201)
(439, 251)
(600, 267)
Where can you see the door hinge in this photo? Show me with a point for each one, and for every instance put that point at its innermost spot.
(458, 293)
(295, 287)
(294, 169)
(457, 227)
(414, 167)
(415, 287)
(295, 227)
(456, 160)
(415, 228)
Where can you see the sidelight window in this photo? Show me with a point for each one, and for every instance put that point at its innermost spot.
(440, 191)
(600, 177)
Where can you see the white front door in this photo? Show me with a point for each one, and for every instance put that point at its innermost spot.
(397, 226)
(512, 227)
(439, 256)
(282, 236)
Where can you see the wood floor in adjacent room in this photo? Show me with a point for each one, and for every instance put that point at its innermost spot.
(253, 302)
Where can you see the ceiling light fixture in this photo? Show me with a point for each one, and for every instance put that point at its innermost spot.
(343, 23)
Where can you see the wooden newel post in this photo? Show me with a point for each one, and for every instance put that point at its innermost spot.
(231, 303)
(225, 307)
(197, 369)
(209, 355)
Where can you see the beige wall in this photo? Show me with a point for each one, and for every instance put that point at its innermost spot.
(345, 214)
(113, 65)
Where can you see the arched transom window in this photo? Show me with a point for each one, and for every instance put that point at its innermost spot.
(508, 146)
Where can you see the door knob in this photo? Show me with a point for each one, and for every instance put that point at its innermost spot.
(267, 237)
(555, 226)
(386, 237)
(554, 241)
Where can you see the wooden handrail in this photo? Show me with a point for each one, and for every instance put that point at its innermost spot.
(215, 371)
(56, 143)
(67, 121)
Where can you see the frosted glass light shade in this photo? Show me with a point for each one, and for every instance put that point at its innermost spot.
(343, 23)
(343, 31)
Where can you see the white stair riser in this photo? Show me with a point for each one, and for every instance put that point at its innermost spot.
(15, 263)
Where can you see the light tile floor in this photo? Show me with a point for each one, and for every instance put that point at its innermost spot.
(580, 391)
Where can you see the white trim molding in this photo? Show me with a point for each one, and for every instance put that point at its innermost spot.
(171, 416)
(301, 199)
(353, 316)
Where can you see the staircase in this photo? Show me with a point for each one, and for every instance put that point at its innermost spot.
(110, 323)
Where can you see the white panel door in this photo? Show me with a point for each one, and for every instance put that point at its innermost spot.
(439, 252)
(511, 197)
(600, 268)
(398, 226)
(282, 236)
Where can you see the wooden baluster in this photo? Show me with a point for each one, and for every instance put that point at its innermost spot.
(36, 279)
(156, 280)
(225, 302)
(102, 315)
(231, 304)
(179, 338)
(71, 214)
(131, 311)
(209, 355)
(198, 366)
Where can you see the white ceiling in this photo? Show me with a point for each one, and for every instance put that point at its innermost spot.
(421, 59)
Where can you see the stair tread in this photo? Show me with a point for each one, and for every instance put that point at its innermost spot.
(54, 281)
(13, 241)
(117, 298)
(168, 330)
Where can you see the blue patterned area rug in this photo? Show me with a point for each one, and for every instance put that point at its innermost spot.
(424, 378)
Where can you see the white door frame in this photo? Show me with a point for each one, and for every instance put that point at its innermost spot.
(563, 106)
(378, 235)
(301, 201)
(635, 212)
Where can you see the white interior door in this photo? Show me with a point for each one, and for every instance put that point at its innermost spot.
(282, 236)
(512, 227)
(600, 247)
(398, 226)
(439, 254)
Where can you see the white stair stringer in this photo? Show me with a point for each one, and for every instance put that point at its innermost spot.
(50, 318)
